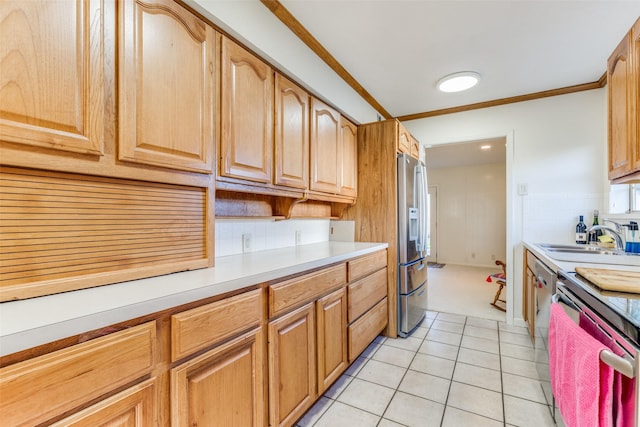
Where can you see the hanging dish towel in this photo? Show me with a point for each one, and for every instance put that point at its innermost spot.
(581, 383)
(624, 388)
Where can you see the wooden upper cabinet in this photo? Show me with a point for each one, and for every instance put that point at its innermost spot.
(326, 152)
(167, 86)
(291, 134)
(52, 75)
(246, 144)
(404, 140)
(635, 127)
(619, 81)
(349, 142)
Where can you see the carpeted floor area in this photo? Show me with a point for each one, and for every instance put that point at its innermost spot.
(461, 289)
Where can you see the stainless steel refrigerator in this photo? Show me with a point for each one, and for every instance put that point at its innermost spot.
(413, 235)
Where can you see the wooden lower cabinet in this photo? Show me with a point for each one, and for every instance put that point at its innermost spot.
(331, 315)
(222, 387)
(133, 407)
(292, 365)
(529, 294)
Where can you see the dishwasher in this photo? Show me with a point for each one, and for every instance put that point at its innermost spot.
(545, 287)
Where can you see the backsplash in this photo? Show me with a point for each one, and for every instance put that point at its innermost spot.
(267, 234)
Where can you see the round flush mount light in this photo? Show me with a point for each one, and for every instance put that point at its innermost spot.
(458, 82)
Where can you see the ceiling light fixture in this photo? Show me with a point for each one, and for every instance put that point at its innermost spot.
(485, 147)
(458, 82)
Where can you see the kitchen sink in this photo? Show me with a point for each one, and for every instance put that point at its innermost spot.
(589, 253)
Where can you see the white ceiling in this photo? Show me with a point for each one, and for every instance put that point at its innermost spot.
(398, 49)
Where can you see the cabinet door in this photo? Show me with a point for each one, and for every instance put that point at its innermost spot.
(404, 140)
(635, 125)
(291, 134)
(326, 153)
(167, 91)
(331, 315)
(223, 387)
(349, 170)
(133, 407)
(530, 301)
(621, 133)
(51, 75)
(292, 365)
(246, 144)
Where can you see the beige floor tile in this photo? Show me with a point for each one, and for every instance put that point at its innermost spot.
(476, 400)
(443, 337)
(394, 356)
(518, 351)
(442, 325)
(431, 314)
(520, 367)
(482, 323)
(479, 358)
(448, 317)
(420, 332)
(367, 396)
(525, 413)
(523, 387)
(371, 350)
(338, 387)
(433, 365)
(454, 417)
(356, 366)
(480, 344)
(478, 332)
(439, 349)
(413, 411)
(382, 373)
(388, 423)
(505, 327)
(425, 386)
(409, 343)
(513, 338)
(315, 412)
(477, 376)
(341, 415)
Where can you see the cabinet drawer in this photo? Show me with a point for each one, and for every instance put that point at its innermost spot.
(367, 264)
(365, 293)
(363, 331)
(286, 295)
(195, 329)
(38, 389)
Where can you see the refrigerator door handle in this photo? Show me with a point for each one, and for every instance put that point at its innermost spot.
(421, 188)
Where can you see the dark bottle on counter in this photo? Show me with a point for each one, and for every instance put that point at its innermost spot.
(593, 235)
(581, 232)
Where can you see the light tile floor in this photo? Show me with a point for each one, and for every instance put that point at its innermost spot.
(453, 371)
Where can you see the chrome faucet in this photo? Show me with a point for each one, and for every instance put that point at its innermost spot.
(616, 235)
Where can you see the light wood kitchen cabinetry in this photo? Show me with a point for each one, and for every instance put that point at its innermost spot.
(167, 86)
(292, 365)
(349, 169)
(529, 293)
(375, 220)
(307, 347)
(331, 316)
(58, 382)
(291, 134)
(404, 140)
(326, 150)
(246, 144)
(52, 75)
(623, 81)
(222, 387)
(133, 407)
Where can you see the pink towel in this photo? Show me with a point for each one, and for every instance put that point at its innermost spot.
(581, 383)
(624, 389)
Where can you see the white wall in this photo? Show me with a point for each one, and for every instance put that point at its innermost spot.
(557, 147)
(471, 214)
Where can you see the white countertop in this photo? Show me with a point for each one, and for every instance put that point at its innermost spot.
(35, 321)
(579, 260)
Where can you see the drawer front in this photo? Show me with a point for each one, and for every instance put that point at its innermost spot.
(198, 328)
(365, 293)
(367, 264)
(38, 389)
(286, 295)
(363, 331)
